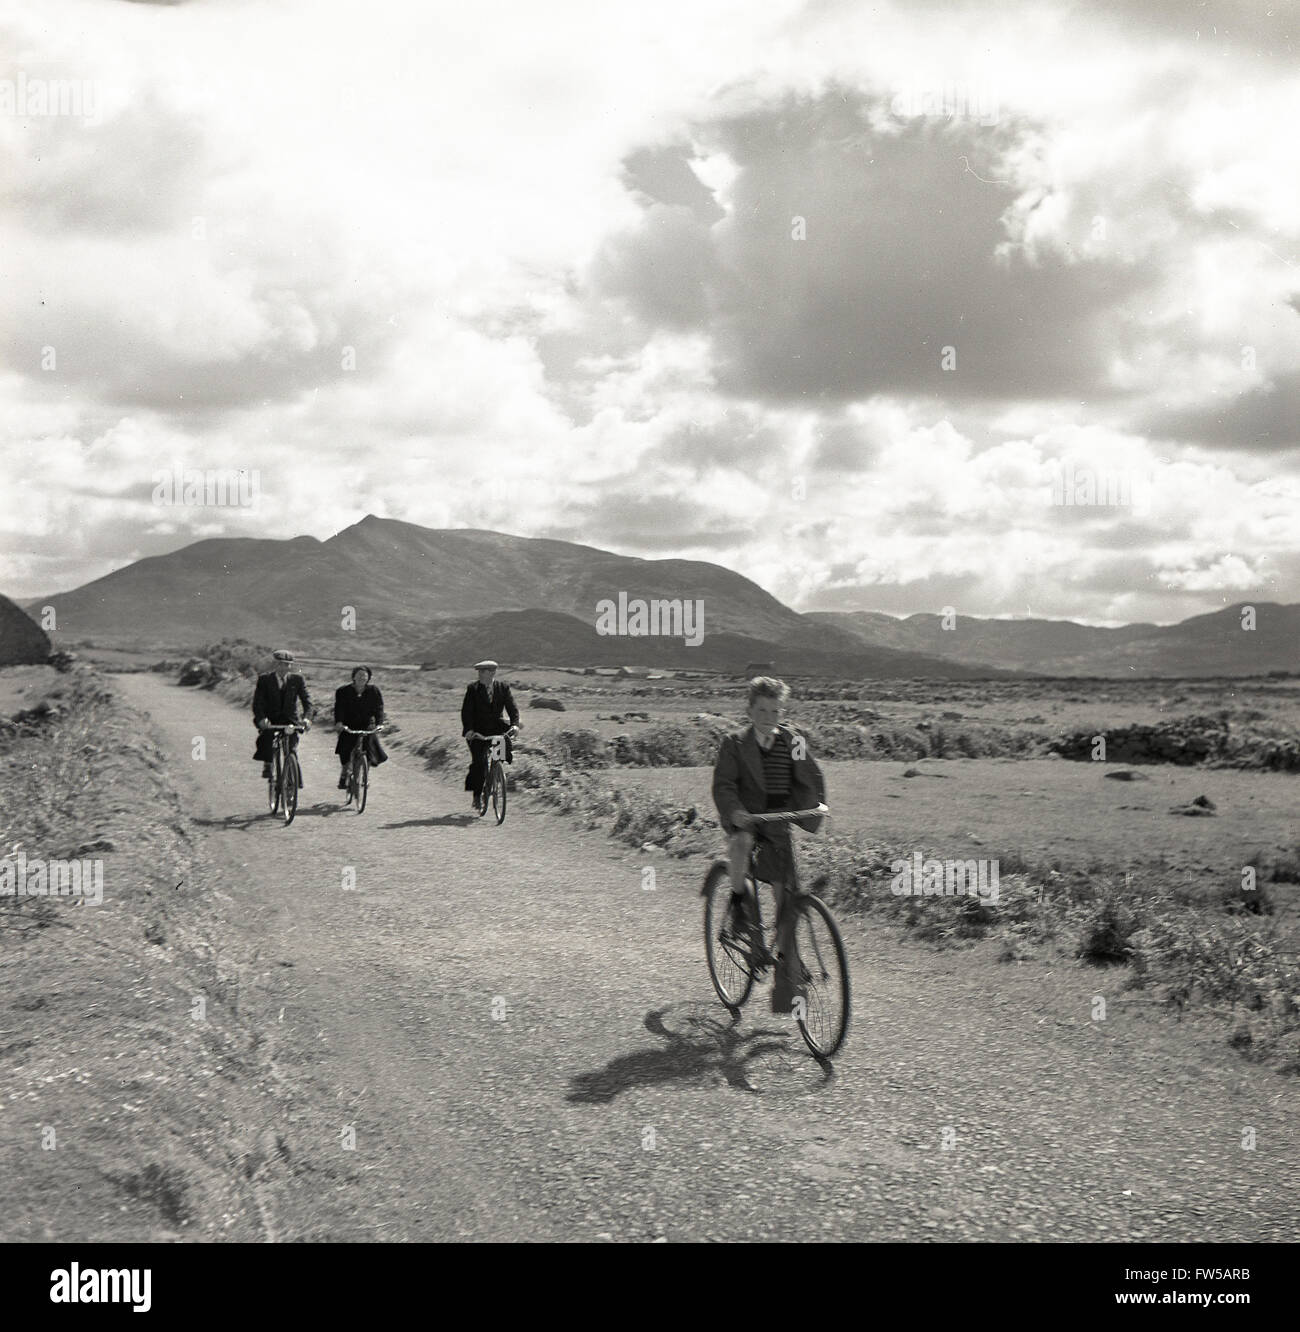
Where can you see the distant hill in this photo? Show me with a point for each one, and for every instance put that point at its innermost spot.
(420, 593)
(453, 595)
(555, 639)
(1205, 645)
(22, 640)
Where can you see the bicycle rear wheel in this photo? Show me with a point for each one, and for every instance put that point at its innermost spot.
(499, 793)
(729, 968)
(821, 951)
(290, 788)
(361, 779)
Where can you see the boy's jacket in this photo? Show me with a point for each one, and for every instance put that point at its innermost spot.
(738, 781)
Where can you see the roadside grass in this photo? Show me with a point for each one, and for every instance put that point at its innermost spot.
(98, 1000)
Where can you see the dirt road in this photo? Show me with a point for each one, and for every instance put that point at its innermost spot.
(525, 1044)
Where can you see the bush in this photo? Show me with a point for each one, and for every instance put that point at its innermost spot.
(666, 745)
(581, 750)
(1107, 930)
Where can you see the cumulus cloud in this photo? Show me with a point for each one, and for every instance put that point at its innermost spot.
(577, 305)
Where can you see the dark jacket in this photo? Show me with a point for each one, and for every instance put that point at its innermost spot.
(360, 712)
(279, 705)
(482, 713)
(738, 781)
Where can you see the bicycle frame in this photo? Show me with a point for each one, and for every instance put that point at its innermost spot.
(496, 743)
(281, 751)
(784, 846)
(806, 941)
(495, 763)
(355, 760)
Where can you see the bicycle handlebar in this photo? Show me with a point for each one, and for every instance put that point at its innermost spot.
(286, 726)
(478, 735)
(789, 815)
(347, 730)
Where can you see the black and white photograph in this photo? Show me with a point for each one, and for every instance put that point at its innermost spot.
(657, 623)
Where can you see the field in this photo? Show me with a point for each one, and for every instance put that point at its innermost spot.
(899, 776)
(210, 903)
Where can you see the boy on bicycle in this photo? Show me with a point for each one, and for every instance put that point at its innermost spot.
(766, 767)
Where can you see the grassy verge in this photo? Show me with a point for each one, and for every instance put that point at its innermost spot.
(134, 1094)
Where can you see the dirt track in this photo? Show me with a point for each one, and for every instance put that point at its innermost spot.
(615, 1099)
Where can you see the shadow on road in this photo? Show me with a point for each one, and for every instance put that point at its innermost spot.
(243, 822)
(709, 1043)
(440, 821)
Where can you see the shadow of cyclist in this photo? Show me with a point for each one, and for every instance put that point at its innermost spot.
(713, 1046)
(441, 821)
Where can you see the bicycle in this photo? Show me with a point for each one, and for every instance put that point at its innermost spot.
(358, 770)
(286, 777)
(495, 781)
(737, 960)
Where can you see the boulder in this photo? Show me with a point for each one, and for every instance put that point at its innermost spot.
(554, 704)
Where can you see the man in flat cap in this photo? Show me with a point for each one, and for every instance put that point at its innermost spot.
(480, 713)
(275, 703)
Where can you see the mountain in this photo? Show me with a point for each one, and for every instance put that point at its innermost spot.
(22, 640)
(554, 639)
(1215, 644)
(421, 593)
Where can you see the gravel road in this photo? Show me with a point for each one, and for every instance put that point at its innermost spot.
(525, 1044)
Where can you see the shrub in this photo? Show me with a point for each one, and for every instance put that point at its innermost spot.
(1107, 929)
(581, 750)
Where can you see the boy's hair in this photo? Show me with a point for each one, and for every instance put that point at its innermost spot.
(767, 686)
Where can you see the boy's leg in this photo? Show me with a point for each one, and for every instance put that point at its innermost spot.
(788, 981)
(739, 845)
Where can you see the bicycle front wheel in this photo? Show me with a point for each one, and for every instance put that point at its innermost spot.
(290, 792)
(729, 968)
(273, 786)
(499, 793)
(820, 950)
(361, 777)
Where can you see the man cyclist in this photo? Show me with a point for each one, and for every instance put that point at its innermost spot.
(485, 700)
(358, 706)
(766, 767)
(275, 703)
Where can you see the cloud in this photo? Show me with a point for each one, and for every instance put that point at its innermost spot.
(1265, 420)
(855, 250)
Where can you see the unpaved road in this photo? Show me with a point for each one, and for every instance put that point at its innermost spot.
(615, 1100)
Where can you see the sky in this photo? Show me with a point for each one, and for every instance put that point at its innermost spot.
(848, 297)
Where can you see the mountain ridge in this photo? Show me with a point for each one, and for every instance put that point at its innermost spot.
(390, 586)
